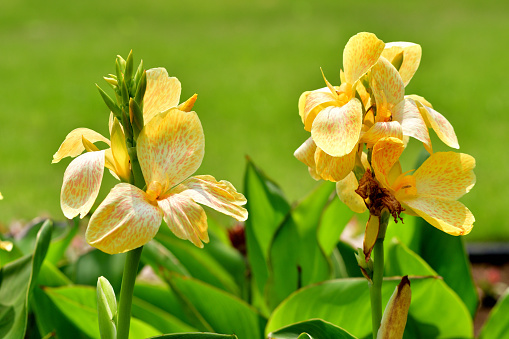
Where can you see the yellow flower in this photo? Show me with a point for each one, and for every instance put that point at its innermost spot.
(333, 115)
(170, 148)
(431, 192)
(83, 176)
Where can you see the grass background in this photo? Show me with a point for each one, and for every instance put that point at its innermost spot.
(249, 61)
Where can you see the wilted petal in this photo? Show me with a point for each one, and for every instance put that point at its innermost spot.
(412, 123)
(450, 216)
(387, 85)
(312, 103)
(441, 125)
(82, 180)
(186, 219)
(346, 193)
(125, 220)
(446, 175)
(386, 153)
(360, 54)
(334, 168)
(73, 145)
(382, 130)
(411, 57)
(163, 92)
(170, 147)
(336, 130)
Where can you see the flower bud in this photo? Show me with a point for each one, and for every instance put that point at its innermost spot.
(395, 315)
(106, 309)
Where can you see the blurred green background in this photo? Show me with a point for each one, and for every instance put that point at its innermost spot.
(249, 61)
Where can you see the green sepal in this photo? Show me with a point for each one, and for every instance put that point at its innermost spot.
(109, 102)
(142, 87)
(136, 117)
(137, 77)
(128, 74)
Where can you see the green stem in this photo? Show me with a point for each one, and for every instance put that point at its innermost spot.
(375, 288)
(126, 292)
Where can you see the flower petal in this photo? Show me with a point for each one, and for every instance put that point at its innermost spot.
(441, 125)
(186, 219)
(125, 220)
(312, 103)
(82, 180)
(306, 154)
(346, 192)
(387, 85)
(336, 130)
(446, 175)
(162, 93)
(334, 168)
(360, 54)
(411, 58)
(221, 196)
(450, 216)
(382, 130)
(119, 152)
(73, 145)
(170, 147)
(412, 123)
(386, 153)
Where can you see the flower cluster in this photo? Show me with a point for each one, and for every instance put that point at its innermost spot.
(360, 129)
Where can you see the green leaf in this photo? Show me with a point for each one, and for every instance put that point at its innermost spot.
(60, 243)
(497, 325)
(222, 312)
(445, 253)
(347, 254)
(332, 224)
(267, 208)
(315, 329)
(200, 335)
(435, 310)
(159, 257)
(16, 282)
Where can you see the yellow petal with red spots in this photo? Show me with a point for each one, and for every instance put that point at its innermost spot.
(387, 85)
(336, 130)
(306, 154)
(221, 196)
(312, 103)
(386, 153)
(73, 144)
(125, 220)
(382, 130)
(360, 54)
(170, 147)
(412, 123)
(446, 175)
(450, 216)
(411, 58)
(345, 189)
(162, 93)
(186, 219)
(82, 180)
(334, 168)
(440, 125)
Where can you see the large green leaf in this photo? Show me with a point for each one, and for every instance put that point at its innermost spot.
(267, 208)
(497, 325)
(200, 335)
(16, 282)
(435, 310)
(220, 311)
(315, 328)
(296, 258)
(445, 253)
(333, 222)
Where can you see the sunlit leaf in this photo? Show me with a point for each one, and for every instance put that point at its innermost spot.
(497, 325)
(315, 329)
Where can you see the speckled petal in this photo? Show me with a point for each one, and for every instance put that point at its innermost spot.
(73, 145)
(386, 153)
(412, 123)
(360, 54)
(382, 130)
(306, 154)
(450, 216)
(82, 180)
(346, 193)
(221, 196)
(446, 175)
(387, 85)
(312, 103)
(440, 125)
(125, 220)
(171, 147)
(411, 57)
(186, 219)
(334, 168)
(336, 130)
(163, 92)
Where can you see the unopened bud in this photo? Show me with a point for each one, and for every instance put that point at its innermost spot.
(106, 309)
(396, 313)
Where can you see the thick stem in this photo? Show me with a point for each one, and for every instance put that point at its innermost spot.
(375, 288)
(126, 292)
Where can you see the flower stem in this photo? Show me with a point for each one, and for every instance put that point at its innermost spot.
(126, 292)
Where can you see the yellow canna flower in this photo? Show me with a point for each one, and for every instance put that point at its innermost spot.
(83, 176)
(431, 192)
(170, 148)
(333, 115)
(405, 56)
